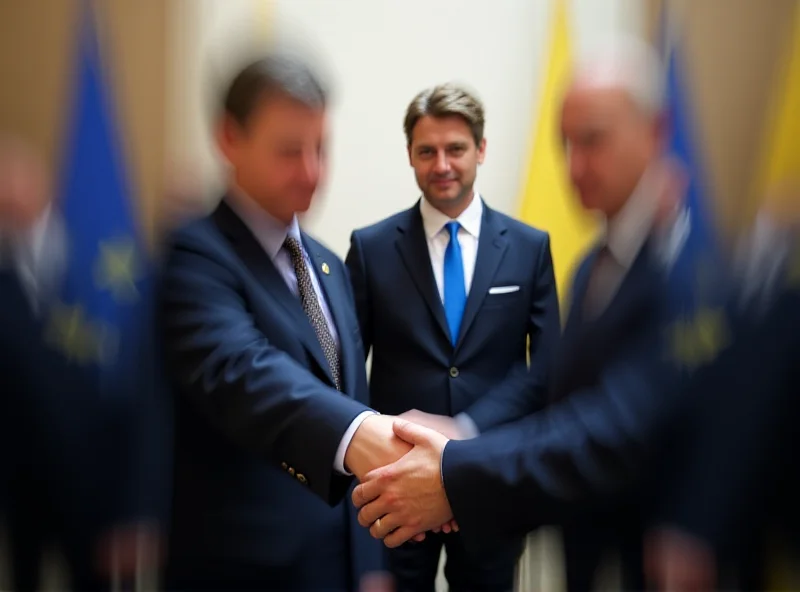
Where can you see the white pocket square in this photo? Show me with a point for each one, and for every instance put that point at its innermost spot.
(503, 289)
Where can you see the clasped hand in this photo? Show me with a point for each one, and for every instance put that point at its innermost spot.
(404, 497)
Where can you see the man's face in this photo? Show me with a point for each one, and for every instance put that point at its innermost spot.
(278, 156)
(609, 144)
(24, 187)
(445, 159)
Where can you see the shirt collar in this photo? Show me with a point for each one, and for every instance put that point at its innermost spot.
(27, 244)
(628, 230)
(470, 219)
(270, 232)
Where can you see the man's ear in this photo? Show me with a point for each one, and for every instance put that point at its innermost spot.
(229, 133)
(482, 151)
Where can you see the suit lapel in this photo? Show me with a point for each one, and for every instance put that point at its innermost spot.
(580, 290)
(413, 247)
(335, 295)
(258, 262)
(492, 246)
(585, 339)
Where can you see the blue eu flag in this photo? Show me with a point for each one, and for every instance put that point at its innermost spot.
(684, 146)
(700, 260)
(102, 302)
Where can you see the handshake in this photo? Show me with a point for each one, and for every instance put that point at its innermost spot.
(398, 463)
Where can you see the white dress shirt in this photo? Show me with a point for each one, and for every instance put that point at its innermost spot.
(438, 237)
(271, 234)
(626, 234)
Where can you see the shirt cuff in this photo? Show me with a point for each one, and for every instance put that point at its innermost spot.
(338, 462)
(466, 426)
(441, 464)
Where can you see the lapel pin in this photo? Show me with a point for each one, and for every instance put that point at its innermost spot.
(325, 269)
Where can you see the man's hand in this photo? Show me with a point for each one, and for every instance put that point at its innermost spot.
(374, 445)
(678, 562)
(406, 498)
(127, 550)
(445, 425)
(377, 582)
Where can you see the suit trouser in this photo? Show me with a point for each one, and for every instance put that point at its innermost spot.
(587, 545)
(33, 526)
(415, 565)
(328, 570)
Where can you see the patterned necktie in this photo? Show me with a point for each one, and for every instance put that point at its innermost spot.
(313, 310)
(455, 291)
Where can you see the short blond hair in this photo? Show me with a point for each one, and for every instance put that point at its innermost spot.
(446, 100)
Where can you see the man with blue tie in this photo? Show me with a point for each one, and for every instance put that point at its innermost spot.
(452, 298)
(589, 460)
(264, 354)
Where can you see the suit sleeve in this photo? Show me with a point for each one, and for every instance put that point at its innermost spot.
(357, 269)
(524, 391)
(588, 445)
(148, 425)
(255, 393)
(734, 455)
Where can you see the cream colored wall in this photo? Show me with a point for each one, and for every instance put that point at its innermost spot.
(379, 53)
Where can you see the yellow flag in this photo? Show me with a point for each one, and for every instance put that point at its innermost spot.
(264, 16)
(548, 201)
(779, 175)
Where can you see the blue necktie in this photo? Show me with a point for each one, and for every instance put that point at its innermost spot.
(455, 292)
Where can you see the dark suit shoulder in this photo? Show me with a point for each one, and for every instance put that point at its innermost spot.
(518, 229)
(201, 233)
(387, 226)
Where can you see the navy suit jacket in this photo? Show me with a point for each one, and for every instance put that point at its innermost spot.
(258, 420)
(95, 457)
(414, 364)
(735, 471)
(612, 388)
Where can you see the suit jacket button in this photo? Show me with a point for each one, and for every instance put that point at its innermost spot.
(302, 478)
(284, 466)
(453, 372)
(291, 471)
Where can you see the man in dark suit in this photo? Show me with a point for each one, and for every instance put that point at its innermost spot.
(263, 350)
(79, 458)
(452, 297)
(734, 480)
(578, 462)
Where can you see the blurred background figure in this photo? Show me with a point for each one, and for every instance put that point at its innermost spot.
(87, 422)
(24, 198)
(52, 469)
(734, 482)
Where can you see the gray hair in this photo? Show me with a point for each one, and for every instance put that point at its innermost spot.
(627, 63)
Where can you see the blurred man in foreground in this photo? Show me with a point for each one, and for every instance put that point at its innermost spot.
(263, 351)
(581, 461)
(736, 479)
